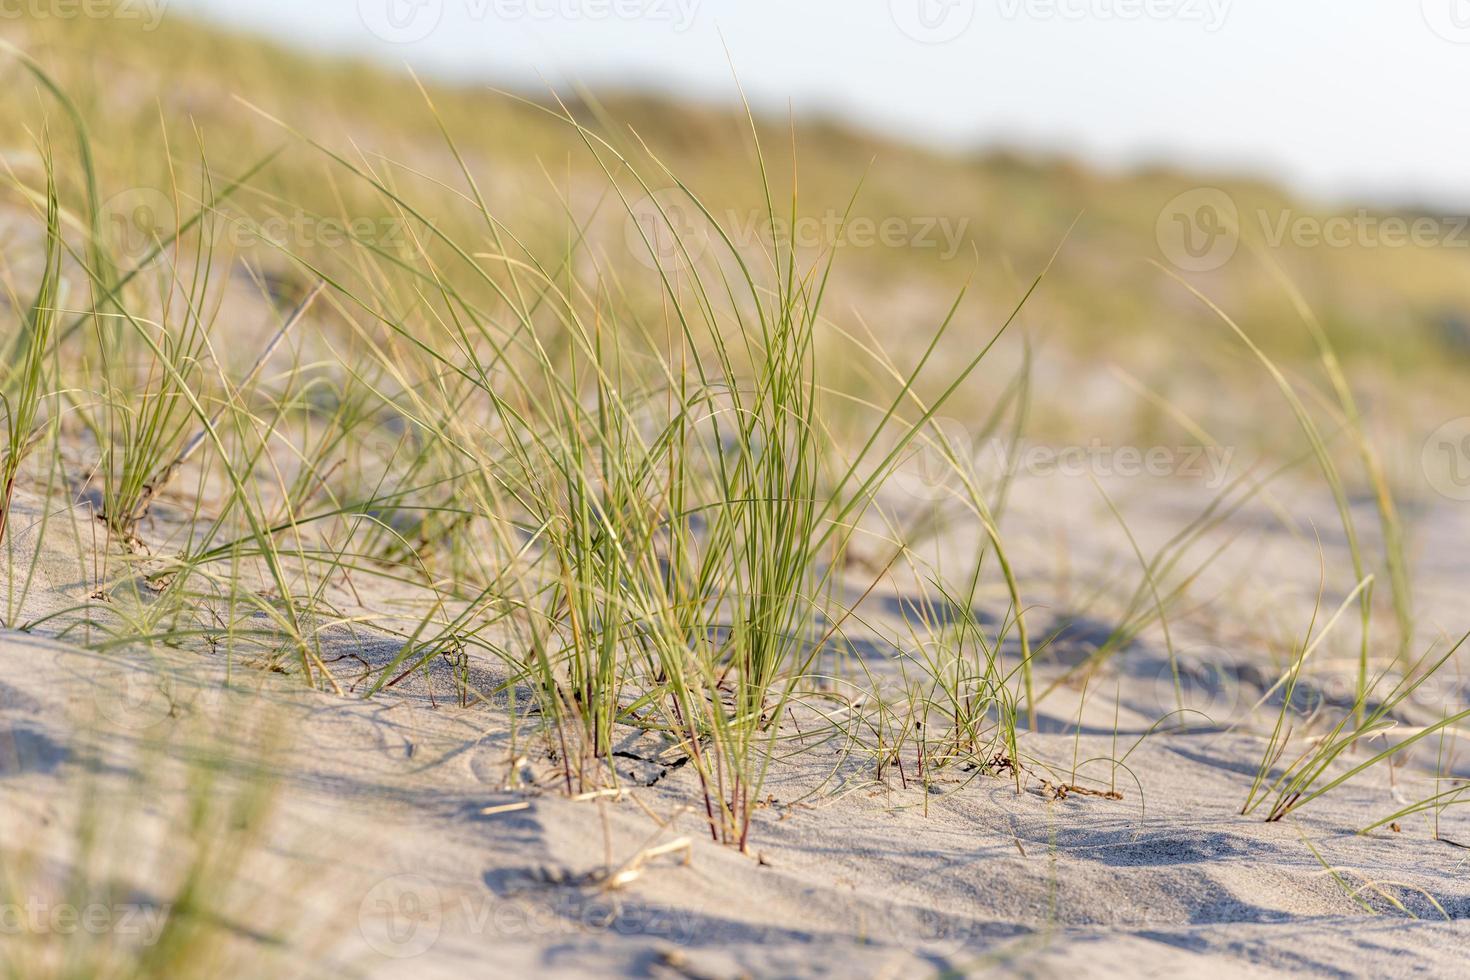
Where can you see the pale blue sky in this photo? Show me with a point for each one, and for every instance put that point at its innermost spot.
(1338, 98)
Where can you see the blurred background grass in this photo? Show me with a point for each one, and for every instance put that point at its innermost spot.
(156, 100)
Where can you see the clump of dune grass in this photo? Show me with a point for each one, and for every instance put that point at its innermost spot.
(658, 513)
(23, 382)
(616, 467)
(1291, 783)
(1328, 760)
(144, 417)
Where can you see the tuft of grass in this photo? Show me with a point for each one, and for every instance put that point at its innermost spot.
(1312, 775)
(23, 381)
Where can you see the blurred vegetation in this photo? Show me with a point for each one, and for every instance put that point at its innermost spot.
(196, 91)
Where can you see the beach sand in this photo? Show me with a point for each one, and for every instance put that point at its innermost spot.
(411, 836)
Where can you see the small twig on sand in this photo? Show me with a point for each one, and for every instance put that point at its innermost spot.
(633, 868)
(1061, 792)
(495, 811)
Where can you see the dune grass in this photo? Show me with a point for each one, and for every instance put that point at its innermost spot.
(23, 390)
(647, 520)
(667, 513)
(626, 459)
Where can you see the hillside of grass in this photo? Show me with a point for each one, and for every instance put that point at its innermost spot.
(197, 91)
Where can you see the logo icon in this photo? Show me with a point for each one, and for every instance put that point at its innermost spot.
(137, 221)
(929, 931)
(401, 21)
(666, 231)
(933, 21)
(132, 695)
(1199, 230)
(1446, 459)
(401, 916)
(1450, 19)
(941, 457)
(1198, 688)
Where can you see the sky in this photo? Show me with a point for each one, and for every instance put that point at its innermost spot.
(1342, 100)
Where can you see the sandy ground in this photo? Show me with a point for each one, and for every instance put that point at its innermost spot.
(404, 838)
(381, 860)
